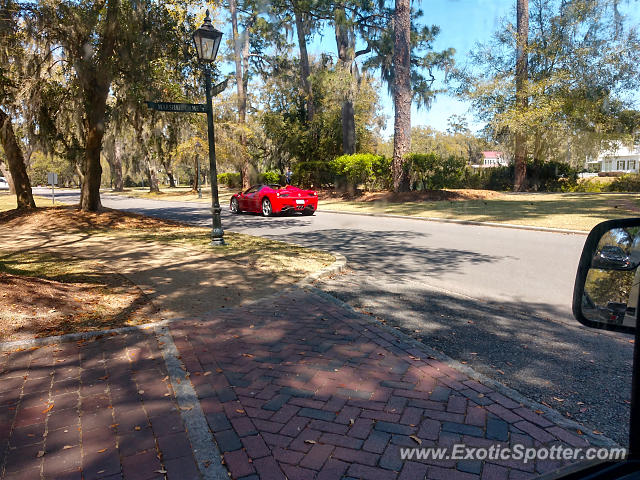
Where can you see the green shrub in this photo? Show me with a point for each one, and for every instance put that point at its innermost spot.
(269, 177)
(315, 174)
(541, 176)
(550, 176)
(230, 179)
(372, 171)
(429, 171)
(381, 167)
(625, 183)
(588, 185)
(496, 178)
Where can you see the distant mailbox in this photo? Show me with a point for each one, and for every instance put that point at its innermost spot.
(52, 178)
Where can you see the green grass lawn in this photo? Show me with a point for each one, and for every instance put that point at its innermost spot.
(575, 211)
(8, 201)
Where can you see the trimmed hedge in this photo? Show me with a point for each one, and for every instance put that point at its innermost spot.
(316, 174)
(625, 183)
(541, 177)
(429, 171)
(231, 179)
(372, 171)
(270, 177)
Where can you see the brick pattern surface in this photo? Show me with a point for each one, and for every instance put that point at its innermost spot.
(91, 410)
(292, 387)
(298, 387)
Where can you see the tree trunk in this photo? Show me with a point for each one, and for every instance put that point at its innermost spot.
(401, 94)
(115, 165)
(152, 176)
(166, 164)
(4, 169)
(94, 75)
(348, 127)
(90, 191)
(80, 174)
(345, 41)
(172, 181)
(15, 159)
(520, 160)
(194, 185)
(241, 58)
(305, 69)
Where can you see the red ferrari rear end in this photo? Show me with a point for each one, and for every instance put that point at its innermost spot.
(293, 199)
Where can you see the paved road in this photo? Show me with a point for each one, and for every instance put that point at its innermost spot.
(497, 299)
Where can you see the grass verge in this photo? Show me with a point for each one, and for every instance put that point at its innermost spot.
(44, 294)
(574, 211)
(46, 289)
(272, 256)
(8, 201)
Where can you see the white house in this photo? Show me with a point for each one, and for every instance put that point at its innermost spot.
(492, 158)
(619, 158)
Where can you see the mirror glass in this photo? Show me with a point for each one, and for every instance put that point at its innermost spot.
(611, 287)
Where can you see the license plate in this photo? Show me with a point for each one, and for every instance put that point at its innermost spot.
(300, 202)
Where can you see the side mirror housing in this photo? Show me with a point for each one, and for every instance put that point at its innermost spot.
(606, 291)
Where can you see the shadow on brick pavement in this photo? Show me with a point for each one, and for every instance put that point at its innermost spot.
(101, 408)
(293, 386)
(298, 387)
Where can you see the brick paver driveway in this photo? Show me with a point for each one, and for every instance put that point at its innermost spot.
(295, 386)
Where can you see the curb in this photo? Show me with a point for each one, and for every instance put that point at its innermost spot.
(336, 267)
(71, 337)
(203, 445)
(550, 413)
(464, 222)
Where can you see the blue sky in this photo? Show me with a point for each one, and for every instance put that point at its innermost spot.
(463, 24)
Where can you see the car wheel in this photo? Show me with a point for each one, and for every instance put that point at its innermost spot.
(267, 209)
(233, 206)
(308, 212)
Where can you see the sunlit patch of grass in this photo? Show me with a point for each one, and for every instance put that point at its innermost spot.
(576, 211)
(43, 265)
(269, 255)
(8, 201)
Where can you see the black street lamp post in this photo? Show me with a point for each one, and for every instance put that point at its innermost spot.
(207, 41)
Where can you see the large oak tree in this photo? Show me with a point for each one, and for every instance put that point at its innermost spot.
(16, 75)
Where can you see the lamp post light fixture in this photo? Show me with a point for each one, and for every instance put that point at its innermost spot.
(207, 41)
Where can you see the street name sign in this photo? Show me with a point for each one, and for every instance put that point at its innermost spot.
(219, 88)
(178, 107)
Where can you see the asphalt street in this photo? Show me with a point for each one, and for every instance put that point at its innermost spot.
(496, 299)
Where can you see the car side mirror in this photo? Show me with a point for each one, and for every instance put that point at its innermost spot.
(605, 294)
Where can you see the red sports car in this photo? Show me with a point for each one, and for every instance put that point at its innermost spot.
(272, 199)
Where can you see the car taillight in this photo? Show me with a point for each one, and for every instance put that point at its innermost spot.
(312, 194)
